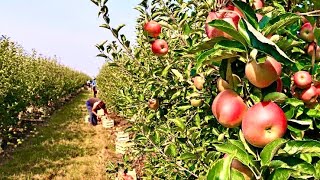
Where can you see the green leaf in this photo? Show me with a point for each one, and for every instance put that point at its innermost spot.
(229, 29)
(306, 146)
(187, 156)
(316, 4)
(230, 45)
(221, 169)
(245, 144)
(313, 113)
(171, 150)
(260, 42)
(317, 167)
(280, 174)
(280, 21)
(241, 155)
(294, 102)
(156, 137)
(236, 175)
(270, 150)
(276, 97)
(178, 74)
(179, 122)
(184, 108)
(166, 70)
(205, 45)
(248, 12)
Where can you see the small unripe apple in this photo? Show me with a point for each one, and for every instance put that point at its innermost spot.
(153, 104)
(223, 85)
(306, 32)
(198, 82)
(152, 28)
(159, 47)
(236, 164)
(309, 95)
(263, 123)
(228, 108)
(196, 102)
(302, 79)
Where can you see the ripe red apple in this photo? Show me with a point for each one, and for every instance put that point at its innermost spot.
(152, 28)
(309, 95)
(310, 50)
(159, 47)
(264, 122)
(306, 32)
(302, 79)
(198, 82)
(228, 108)
(230, 17)
(263, 74)
(236, 164)
(153, 104)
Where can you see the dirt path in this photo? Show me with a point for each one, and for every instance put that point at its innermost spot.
(64, 148)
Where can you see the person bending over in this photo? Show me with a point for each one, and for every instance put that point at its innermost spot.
(93, 105)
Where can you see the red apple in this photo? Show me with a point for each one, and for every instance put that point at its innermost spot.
(306, 32)
(229, 108)
(302, 79)
(263, 123)
(152, 28)
(309, 95)
(198, 82)
(159, 47)
(153, 104)
(236, 164)
(258, 4)
(230, 17)
(310, 50)
(263, 74)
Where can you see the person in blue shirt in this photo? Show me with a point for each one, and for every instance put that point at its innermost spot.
(94, 87)
(93, 105)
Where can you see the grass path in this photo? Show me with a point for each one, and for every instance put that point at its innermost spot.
(65, 148)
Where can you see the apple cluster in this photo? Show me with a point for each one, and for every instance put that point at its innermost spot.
(159, 46)
(307, 33)
(304, 88)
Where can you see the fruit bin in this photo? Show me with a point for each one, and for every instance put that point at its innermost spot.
(107, 123)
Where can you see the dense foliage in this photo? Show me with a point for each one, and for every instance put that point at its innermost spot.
(31, 80)
(182, 141)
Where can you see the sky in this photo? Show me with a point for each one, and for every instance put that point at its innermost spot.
(68, 29)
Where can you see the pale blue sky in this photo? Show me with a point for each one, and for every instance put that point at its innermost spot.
(68, 29)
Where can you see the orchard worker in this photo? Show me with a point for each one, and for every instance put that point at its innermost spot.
(93, 105)
(94, 87)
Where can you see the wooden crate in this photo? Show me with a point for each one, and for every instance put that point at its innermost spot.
(122, 136)
(86, 119)
(107, 123)
(122, 147)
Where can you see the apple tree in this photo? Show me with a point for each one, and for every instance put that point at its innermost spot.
(216, 94)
